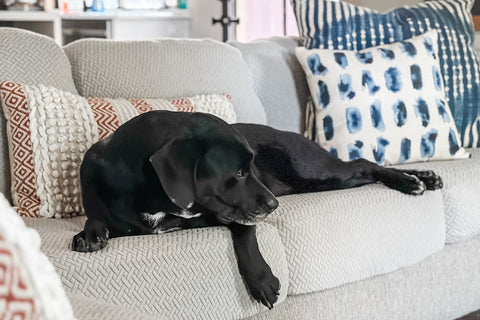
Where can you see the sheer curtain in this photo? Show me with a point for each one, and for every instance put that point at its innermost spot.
(262, 19)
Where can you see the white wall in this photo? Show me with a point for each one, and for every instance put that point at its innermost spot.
(202, 12)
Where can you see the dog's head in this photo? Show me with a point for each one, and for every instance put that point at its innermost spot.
(211, 167)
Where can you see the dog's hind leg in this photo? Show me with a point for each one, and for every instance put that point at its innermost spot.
(407, 181)
(289, 163)
(431, 179)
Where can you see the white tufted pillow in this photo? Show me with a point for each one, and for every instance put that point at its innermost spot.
(50, 130)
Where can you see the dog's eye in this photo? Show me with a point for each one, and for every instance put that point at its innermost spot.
(242, 173)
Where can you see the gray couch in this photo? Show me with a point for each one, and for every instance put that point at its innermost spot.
(363, 253)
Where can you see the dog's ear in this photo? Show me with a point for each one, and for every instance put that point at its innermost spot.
(176, 166)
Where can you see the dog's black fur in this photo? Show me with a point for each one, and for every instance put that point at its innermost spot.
(195, 170)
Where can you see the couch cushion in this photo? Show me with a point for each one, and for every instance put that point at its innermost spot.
(336, 237)
(29, 58)
(461, 195)
(166, 68)
(278, 80)
(184, 275)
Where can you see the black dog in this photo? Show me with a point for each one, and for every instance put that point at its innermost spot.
(163, 171)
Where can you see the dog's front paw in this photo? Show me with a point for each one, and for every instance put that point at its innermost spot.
(264, 287)
(81, 243)
(94, 237)
(431, 179)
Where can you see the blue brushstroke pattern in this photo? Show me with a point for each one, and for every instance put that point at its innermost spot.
(365, 57)
(316, 65)
(387, 54)
(334, 152)
(478, 132)
(323, 94)
(376, 113)
(427, 145)
(409, 48)
(328, 127)
(416, 74)
(345, 87)
(367, 81)
(341, 59)
(421, 111)
(393, 79)
(400, 113)
(437, 78)
(428, 42)
(354, 119)
(405, 150)
(355, 150)
(442, 110)
(453, 142)
(379, 151)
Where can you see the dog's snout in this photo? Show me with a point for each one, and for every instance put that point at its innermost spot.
(272, 204)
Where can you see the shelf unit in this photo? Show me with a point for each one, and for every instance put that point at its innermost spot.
(114, 24)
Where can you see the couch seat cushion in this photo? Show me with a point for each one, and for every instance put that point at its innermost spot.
(179, 275)
(336, 237)
(461, 194)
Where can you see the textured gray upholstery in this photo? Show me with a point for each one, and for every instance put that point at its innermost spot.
(443, 286)
(94, 309)
(461, 194)
(166, 68)
(190, 274)
(28, 58)
(278, 80)
(336, 237)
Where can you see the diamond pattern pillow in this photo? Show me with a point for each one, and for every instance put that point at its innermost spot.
(29, 286)
(49, 131)
(385, 104)
(340, 25)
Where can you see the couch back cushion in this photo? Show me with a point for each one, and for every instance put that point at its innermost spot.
(29, 58)
(278, 80)
(166, 68)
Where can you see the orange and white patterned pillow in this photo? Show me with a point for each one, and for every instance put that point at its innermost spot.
(29, 286)
(49, 131)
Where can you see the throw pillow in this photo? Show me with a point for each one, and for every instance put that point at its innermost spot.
(340, 25)
(49, 131)
(385, 104)
(29, 286)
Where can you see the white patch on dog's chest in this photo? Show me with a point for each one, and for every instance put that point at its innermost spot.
(153, 220)
(187, 214)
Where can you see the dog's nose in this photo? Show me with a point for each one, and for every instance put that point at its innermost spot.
(272, 204)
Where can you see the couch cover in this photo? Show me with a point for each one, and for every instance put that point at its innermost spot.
(313, 241)
(190, 274)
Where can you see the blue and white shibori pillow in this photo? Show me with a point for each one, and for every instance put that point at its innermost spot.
(385, 104)
(340, 25)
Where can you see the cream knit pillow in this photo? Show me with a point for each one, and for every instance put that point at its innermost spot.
(49, 131)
